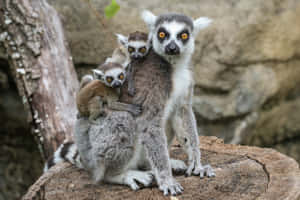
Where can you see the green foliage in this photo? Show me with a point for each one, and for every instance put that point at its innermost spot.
(111, 9)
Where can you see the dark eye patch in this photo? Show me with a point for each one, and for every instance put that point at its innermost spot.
(143, 49)
(131, 49)
(182, 32)
(163, 30)
(109, 79)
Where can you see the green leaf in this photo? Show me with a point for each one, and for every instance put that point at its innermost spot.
(111, 9)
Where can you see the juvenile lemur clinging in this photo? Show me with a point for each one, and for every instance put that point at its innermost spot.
(103, 89)
(132, 48)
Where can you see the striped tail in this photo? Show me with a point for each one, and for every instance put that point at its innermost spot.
(66, 152)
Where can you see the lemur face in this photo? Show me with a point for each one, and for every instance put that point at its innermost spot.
(137, 49)
(136, 44)
(173, 34)
(173, 38)
(111, 74)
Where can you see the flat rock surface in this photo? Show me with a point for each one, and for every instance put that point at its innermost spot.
(242, 173)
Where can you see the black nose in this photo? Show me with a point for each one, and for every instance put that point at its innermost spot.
(116, 84)
(172, 48)
(135, 57)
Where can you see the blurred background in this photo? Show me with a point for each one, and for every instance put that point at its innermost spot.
(246, 67)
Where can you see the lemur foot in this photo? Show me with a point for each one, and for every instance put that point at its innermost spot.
(170, 186)
(205, 170)
(178, 166)
(145, 178)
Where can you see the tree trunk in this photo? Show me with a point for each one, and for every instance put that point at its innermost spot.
(242, 173)
(42, 67)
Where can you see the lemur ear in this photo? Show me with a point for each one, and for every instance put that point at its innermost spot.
(98, 74)
(201, 23)
(123, 40)
(149, 18)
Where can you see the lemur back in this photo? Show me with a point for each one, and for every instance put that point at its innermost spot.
(89, 97)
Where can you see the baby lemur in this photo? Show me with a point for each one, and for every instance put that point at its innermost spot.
(103, 89)
(133, 47)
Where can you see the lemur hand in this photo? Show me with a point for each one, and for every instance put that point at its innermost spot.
(131, 91)
(136, 110)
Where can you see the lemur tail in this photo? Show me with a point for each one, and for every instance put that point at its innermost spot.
(85, 80)
(66, 152)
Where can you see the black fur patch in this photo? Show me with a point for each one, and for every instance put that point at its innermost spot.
(75, 155)
(65, 149)
(179, 36)
(162, 29)
(169, 17)
(50, 162)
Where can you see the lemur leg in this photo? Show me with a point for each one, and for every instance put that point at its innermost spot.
(130, 178)
(88, 154)
(178, 166)
(185, 128)
(133, 109)
(155, 143)
(81, 137)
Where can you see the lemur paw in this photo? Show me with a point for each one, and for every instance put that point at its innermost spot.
(170, 186)
(178, 166)
(144, 178)
(131, 91)
(136, 110)
(205, 170)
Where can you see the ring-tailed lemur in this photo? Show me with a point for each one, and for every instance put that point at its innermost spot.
(133, 47)
(164, 88)
(173, 38)
(103, 89)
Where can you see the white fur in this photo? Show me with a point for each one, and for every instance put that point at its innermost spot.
(149, 18)
(123, 40)
(201, 23)
(137, 44)
(71, 153)
(114, 72)
(97, 72)
(181, 80)
(57, 157)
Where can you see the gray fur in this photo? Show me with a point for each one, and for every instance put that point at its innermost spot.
(164, 88)
(169, 17)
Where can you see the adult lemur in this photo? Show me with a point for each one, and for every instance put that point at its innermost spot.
(164, 88)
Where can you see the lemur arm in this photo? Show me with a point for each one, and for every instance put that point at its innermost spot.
(130, 79)
(185, 127)
(134, 109)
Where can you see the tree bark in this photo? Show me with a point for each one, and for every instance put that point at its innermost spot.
(242, 173)
(42, 67)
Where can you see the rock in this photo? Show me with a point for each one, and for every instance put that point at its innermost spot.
(278, 128)
(242, 173)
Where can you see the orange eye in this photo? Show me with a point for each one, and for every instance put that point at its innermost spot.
(162, 35)
(121, 76)
(142, 50)
(130, 49)
(184, 36)
(109, 79)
